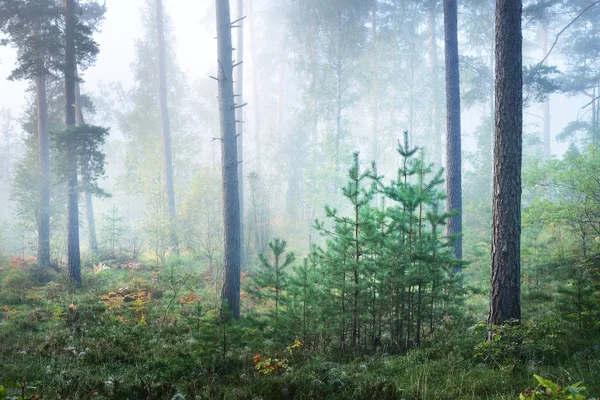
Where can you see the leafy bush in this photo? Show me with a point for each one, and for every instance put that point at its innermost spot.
(550, 390)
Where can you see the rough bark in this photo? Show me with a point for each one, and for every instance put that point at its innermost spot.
(73, 254)
(166, 123)
(505, 303)
(453, 136)
(231, 204)
(239, 116)
(44, 164)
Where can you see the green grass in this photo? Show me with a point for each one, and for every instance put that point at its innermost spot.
(148, 341)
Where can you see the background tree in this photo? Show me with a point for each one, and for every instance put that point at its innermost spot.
(33, 27)
(166, 124)
(239, 116)
(453, 135)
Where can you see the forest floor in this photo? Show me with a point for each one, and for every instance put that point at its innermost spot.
(136, 333)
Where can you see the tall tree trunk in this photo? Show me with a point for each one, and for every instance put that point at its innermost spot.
(255, 103)
(231, 199)
(338, 98)
(453, 139)
(546, 109)
(44, 173)
(374, 84)
(166, 124)
(239, 116)
(74, 258)
(89, 203)
(435, 83)
(505, 304)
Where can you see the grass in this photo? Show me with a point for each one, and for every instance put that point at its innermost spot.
(138, 334)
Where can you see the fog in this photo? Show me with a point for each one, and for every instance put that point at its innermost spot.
(283, 95)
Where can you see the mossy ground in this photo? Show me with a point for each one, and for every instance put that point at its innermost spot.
(140, 334)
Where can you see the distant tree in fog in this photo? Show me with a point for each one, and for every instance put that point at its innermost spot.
(166, 123)
(453, 134)
(33, 27)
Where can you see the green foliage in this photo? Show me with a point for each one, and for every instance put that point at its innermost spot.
(86, 143)
(43, 52)
(548, 389)
(269, 281)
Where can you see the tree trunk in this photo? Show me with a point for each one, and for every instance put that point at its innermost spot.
(505, 303)
(239, 116)
(453, 139)
(374, 84)
(435, 83)
(74, 258)
(231, 199)
(166, 123)
(89, 203)
(44, 160)
(255, 103)
(546, 109)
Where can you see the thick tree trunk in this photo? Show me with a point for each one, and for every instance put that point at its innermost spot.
(453, 139)
(239, 116)
(166, 123)
(505, 302)
(231, 200)
(44, 164)
(73, 254)
(435, 83)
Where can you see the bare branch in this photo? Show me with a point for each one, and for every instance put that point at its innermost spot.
(593, 100)
(567, 27)
(237, 20)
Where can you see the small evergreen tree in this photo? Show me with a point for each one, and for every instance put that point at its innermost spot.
(270, 280)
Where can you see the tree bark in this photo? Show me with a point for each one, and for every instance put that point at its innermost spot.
(453, 136)
(44, 165)
(239, 116)
(231, 204)
(505, 302)
(166, 124)
(73, 254)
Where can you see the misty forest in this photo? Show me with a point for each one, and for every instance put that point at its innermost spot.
(299, 199)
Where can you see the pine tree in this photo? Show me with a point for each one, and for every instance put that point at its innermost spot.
(270, 280)
(231, 200)
(453, 136)
(505, 305)
(32, 27)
